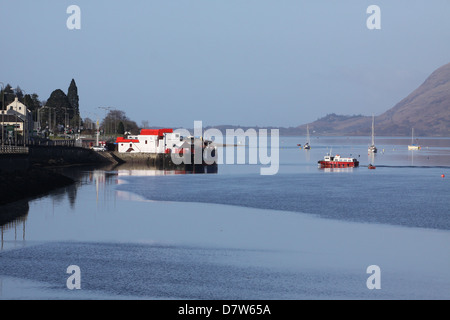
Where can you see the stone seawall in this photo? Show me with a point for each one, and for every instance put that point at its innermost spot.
(64, 156)
(150, 159)
(29, 175)
(162, 162)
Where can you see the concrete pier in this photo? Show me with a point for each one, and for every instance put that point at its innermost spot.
(160, 161)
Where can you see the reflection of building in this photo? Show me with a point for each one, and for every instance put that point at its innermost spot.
(16, 117)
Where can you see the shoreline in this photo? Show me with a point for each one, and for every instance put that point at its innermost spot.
(34, 174)
(35, 181)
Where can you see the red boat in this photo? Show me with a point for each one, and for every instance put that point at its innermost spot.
(338, 162)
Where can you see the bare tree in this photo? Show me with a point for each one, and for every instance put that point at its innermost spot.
(144, 124)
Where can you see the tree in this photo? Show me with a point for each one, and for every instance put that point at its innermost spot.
(32, 102)
(19, 93)
(62, 110)
(112, 120)
(145, 124)
(121, 128)
(72, 96)
(9, 94)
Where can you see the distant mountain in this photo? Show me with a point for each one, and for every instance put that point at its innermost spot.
(426, 109)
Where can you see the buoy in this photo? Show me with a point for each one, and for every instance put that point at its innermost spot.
(443, 176)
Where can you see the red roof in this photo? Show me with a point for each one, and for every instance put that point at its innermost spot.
(155, 132)
(123, 140)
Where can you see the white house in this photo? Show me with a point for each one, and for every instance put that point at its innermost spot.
(17, 116)
(153, 141)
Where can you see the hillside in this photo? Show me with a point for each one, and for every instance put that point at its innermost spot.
(426, 109)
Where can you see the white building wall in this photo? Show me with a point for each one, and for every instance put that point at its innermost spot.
(151, 144)
(22, 109)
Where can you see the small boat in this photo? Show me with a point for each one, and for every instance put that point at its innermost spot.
(307, 145)
(372, 148)
(413, 146)
(371, 167)
(338, 162)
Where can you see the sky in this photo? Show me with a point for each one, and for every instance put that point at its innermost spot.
(262, 63)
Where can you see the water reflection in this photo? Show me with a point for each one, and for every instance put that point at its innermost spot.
(142, 169)
(337, 169)
(13, 216)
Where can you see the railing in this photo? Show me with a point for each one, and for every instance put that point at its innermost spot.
(52, 143)
(19, 146)
(13, 150)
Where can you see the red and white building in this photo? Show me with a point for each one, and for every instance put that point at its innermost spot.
(153, 141)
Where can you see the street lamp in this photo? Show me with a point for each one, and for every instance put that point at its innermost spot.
(106, 109)
(97, 125)
(39, 117)
(49, 116)
(24, 131)
(3, 111)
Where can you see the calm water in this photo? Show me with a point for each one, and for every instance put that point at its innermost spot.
(406, 188)
(146, 234)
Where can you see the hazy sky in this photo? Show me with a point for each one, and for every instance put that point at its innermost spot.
(246, 62)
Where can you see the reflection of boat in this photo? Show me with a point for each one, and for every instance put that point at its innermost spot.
(372, 148)
(307, 145)
(413, 146)
(338, 162)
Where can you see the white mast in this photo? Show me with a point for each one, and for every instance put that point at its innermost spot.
(307, 132)
(373, 130)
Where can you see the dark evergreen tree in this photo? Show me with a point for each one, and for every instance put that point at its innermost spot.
(72, 96)
(9, 94)
(19, 93)
(121, 128)
(33, 104)
(28, 102)
(61, 108)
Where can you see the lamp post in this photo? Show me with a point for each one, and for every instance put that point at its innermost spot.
(39, 117)
(49, 117)
(94, 125)
(106, 109)
(115, 122)
(65, 123)
(24, 131)
(15, 125)
(3, 112)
